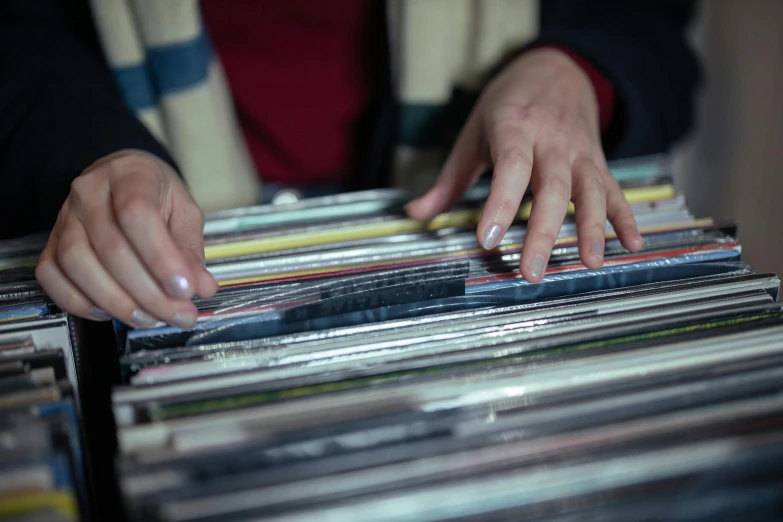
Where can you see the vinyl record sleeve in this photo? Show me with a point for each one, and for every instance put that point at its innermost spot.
(601, 300)
(615, 369)
(511, 329)
(265, 392)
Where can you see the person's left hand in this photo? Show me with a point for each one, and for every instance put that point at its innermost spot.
(536, 123)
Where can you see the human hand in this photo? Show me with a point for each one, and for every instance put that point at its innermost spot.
(128, 243)
(536, 123)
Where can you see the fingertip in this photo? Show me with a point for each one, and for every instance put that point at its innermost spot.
(592, 263)
(528, 276)
(490, 236)
(440, 198)
(625, 226)
(180, 287)
(593, 255)
(206, 285)
(415, 209)
(185, 318)
(424, 208)
(96, 314)
(533, 268)
(633, 241)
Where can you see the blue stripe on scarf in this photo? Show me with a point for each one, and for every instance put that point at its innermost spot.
(431, 125)
(181, 65)
(422, 125)
(135, 85)
(170, 68)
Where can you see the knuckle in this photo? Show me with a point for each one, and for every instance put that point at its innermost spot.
(584, 135)
(62, 215)
(79, 184)
(565, 135)
(557, 185)
(513, 118)
(544, 235)
(592, 184)
(197, 215)
(561, 139)
(594, 224)
(133, 213)
(516, 159)
(68, 253)
(582, 141)
(113, 247)
(191, 249)
(528, 113)
(560, 136)
(42, 269)
(501, 114)
(82, 189)
(135, 162)
(64, 211)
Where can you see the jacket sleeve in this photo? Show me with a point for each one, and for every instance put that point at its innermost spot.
(641, 47)
(59, 110)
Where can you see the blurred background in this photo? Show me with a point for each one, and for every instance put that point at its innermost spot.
(731, 166)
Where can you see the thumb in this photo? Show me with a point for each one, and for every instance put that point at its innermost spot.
(186, 224)
(465, 164)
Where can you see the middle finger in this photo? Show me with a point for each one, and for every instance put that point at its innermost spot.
(551, 194)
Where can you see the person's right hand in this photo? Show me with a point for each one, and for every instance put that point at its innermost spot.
(128, 243)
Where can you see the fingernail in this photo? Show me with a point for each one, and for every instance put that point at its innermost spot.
(180, 287)
(183, 320)
(492, 237)
(141, 319)
(597, 249)
(537, 266)
(640, 239)
(100, 315)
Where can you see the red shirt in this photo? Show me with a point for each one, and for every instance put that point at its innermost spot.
(302, 79)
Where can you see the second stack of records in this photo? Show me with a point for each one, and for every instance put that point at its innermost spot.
(357, 365)
(43, 462)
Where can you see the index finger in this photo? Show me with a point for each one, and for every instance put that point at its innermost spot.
(511, 147)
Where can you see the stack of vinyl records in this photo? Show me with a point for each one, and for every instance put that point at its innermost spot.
(42, 464)
(357, 365)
